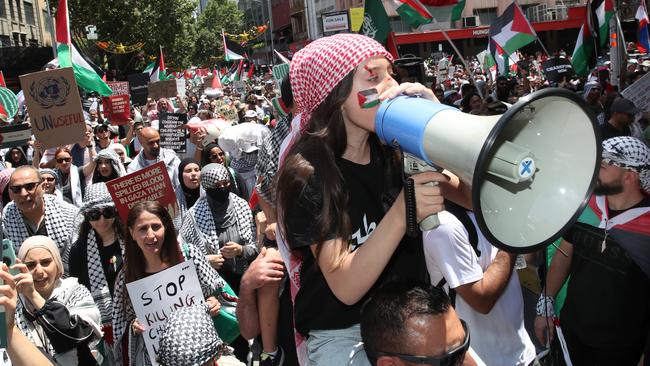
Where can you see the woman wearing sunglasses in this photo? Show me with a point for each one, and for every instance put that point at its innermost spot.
(96, 254)
(48, 177)
(212, 153)
(68, 177)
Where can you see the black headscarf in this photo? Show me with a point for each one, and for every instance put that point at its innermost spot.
(191, 195)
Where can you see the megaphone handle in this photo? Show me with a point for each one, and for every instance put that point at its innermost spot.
(430, 222)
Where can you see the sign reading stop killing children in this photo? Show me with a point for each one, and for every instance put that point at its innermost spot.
(149, 184)
(155, 297)
(172, 136)
(54, 107)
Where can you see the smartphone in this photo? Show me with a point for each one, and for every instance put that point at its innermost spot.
(9, 258)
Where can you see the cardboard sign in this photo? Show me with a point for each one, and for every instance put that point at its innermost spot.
(138, 88)
(149, 184)
(171, 134)
(239, 86)
(54, 107)
(162, 89)
(117, 109)
(639, 93)
(155, 297)
(557, 68)
(15, 135)
(180, 87)
(119, 87)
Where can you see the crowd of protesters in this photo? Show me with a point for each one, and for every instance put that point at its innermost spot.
(306, 225)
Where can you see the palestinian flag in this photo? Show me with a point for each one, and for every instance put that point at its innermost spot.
(3, 83)
(631, 229)
(232, 50)
(512, 30)
(456, 11)
(158, 71)
(279, 106)
(216, 82)
(496, 59)
(642, 40)
(604, 10)
(584, 57)
(411, 11)
(368, 98)
(251, 71)
(68, 56)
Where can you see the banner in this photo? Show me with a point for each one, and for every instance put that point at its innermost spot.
(15, 135)
(119, 87)
(138, 88)
(557, 68)
(149, 184)
(155, 297)
(163, 89)
(172, 136)
(639, 93)
(54, 107)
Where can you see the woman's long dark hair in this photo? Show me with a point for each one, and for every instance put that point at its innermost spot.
(134, 259)
(314, 156)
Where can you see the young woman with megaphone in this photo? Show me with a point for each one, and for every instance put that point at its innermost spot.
(341, 203)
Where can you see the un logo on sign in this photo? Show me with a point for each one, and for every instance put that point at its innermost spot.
(50, 92)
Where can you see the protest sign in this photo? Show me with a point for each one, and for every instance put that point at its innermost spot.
(639, 93)
(117, 109)
(172, 136)
(239, 86)
(180, 87)
(557, 68)
(54, 107)
(155, 297)
(15, 135)
(149, 184)
(119, 87)
(139, 88)
(163, 89)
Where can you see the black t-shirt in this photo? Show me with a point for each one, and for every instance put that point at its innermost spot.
(608, 131)
(608, 296)
(316, 306)
(111, 257)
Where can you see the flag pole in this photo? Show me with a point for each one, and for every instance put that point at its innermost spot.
(533, 29)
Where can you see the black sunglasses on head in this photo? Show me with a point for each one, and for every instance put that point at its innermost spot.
(455, 357)
(96, 213)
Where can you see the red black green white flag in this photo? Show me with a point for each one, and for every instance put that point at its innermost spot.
(512, 30)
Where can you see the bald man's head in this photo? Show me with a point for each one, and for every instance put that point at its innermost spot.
(150, 140)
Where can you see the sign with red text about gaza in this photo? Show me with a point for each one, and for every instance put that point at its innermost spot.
(149, 184)
(155, 297)
(117, 106)
(54, 107)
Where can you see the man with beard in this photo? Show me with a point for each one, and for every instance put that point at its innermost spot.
(606, 317)
(152, 153)
(502, 90)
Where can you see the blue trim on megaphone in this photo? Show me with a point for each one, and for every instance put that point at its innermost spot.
(403, 119)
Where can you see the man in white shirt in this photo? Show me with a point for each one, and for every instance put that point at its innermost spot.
(488, 296)
(152, 153)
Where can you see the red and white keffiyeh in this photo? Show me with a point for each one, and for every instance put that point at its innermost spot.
(319, 67)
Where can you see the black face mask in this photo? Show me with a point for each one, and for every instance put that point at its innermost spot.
(218, 194)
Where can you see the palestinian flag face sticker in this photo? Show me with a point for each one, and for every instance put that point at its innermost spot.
(368, 98)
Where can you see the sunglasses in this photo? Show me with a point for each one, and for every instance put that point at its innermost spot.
(216, 156)
(29, 187)
(63, 160)
(454, 357)
(96, 214)
(49, 179)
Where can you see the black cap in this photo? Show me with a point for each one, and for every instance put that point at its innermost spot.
(623, 105)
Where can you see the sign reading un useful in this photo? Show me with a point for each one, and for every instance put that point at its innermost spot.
(54, 107)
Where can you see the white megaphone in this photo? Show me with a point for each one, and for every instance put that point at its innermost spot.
(531, 169)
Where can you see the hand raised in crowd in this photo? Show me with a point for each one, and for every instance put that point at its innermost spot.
(541, 327)
(267, 268)
(213, 304)
(8, 296)
(25, 285)
(232, 250)
(215, 260)
(269, 231)
(137, 327)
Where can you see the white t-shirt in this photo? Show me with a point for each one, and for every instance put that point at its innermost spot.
(498, 337)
